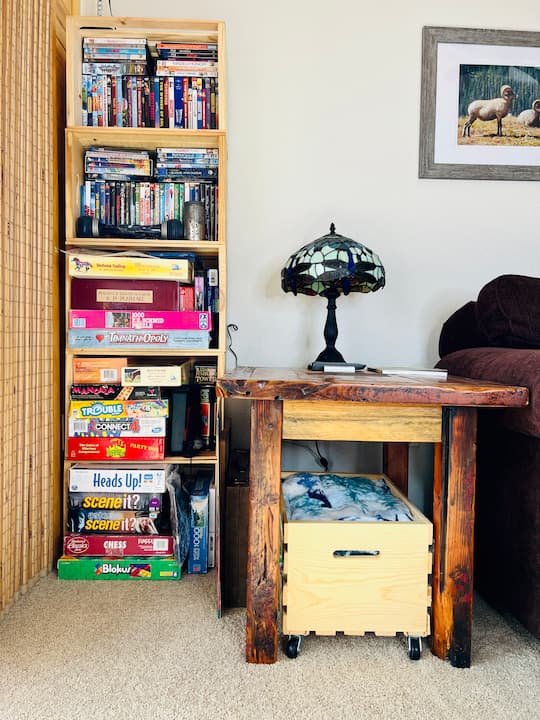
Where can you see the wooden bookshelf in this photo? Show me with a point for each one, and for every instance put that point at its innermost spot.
(80, 137)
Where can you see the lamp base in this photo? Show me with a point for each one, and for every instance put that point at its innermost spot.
(318, 366)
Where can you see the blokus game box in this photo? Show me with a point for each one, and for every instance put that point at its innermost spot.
(117, 545)
(122, 568)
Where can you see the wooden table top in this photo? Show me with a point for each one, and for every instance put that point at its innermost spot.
(282, 383)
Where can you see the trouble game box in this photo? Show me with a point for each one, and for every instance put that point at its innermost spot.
(122, 568)
(115, 409)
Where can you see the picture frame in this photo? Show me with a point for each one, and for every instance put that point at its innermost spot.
(454, 59)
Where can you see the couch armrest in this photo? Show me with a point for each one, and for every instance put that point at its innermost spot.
(510, 366)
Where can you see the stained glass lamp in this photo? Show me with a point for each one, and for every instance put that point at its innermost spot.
(331, 266)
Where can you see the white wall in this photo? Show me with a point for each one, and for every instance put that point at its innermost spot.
(323, 119)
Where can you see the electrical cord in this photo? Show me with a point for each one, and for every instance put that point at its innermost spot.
(232, 326)
(321, 460)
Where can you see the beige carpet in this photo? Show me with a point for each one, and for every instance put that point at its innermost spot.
(157, 651)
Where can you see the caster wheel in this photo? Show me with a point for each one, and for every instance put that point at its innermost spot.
(414, 647)
(292, 646)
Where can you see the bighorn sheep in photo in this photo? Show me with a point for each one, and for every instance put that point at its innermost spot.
(490, 109)
(531, 118)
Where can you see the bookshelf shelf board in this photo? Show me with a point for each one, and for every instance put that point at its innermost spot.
(206, 248)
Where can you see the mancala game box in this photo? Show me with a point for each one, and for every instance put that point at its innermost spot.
(117, 479)
(117, 545)
(122, 568)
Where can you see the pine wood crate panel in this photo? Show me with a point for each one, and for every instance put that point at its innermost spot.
(384, 594)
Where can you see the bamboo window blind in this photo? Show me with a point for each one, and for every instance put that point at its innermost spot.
(29, 386)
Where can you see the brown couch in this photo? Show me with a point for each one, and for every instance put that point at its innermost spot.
(497, 337)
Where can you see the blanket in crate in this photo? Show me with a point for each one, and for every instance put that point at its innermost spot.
(311, 496)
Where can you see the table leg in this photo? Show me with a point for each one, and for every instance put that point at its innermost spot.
(264, 532)
(396, 464)
(453, 521)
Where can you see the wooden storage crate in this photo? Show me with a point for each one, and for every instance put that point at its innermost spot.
(384, 591)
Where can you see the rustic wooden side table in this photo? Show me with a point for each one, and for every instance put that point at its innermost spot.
(288, 403)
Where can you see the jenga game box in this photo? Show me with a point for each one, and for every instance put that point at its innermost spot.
(123, 568)
(117, 545)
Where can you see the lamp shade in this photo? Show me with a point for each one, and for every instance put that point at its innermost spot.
(333, 263)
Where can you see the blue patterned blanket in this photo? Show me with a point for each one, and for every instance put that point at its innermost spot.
(335, 497)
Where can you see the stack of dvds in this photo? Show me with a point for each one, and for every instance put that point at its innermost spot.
(115, 83)
(119, 90)
(124, 186)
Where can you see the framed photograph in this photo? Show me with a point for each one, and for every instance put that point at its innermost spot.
(480, 104)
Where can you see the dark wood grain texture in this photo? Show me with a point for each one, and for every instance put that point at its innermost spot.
(264, 532)
(396, 464)
(453, 520)
(297, 384)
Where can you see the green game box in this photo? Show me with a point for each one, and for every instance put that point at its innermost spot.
(124, 568)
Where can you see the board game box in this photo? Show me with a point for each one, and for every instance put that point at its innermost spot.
(122, 568)
(128, 427)
(98, 370)
(117, 479)
(127, 339)
(118, 294)
(139, 320)
(115, 409)
(117, 545)
(112, 265)
(115, 448)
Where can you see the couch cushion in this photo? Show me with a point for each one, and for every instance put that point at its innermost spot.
(508, 311)
(510, 366)
(461, 331)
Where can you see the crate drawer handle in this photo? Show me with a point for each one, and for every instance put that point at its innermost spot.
(356, 553)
